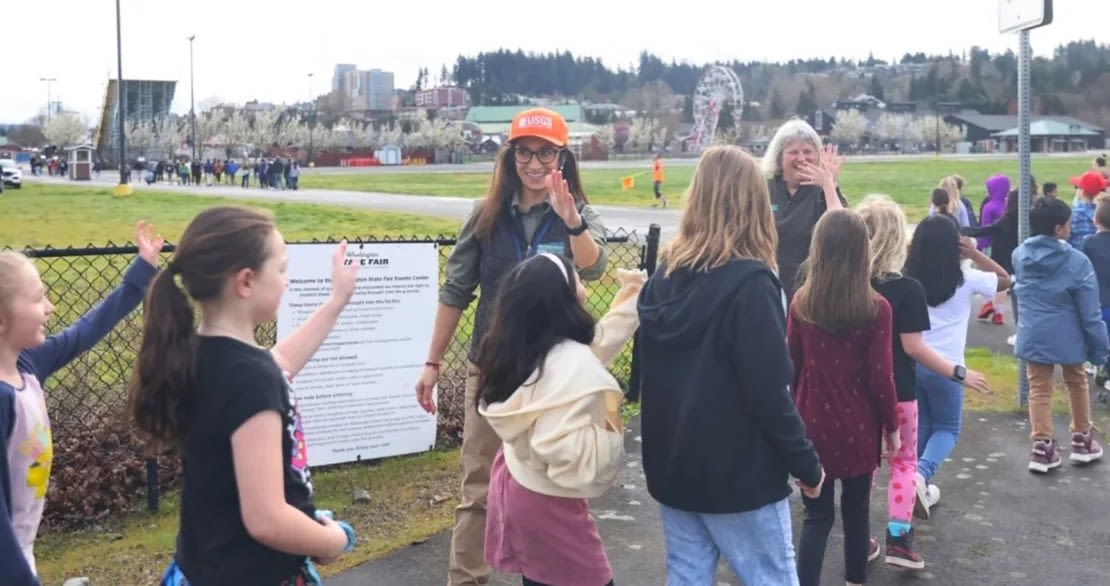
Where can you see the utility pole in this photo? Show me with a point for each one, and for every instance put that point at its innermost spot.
(49, 99)
(192, 102)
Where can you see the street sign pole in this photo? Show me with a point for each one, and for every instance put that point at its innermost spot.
(1024, 172)
(1021, 16)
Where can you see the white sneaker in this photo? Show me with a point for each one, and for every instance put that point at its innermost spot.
(922, 503)
(1012, 340)
(932, 495)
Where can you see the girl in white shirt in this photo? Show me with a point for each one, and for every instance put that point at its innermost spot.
(935, 261)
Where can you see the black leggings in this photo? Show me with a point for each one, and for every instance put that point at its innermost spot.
(854, 515)
(528, 582)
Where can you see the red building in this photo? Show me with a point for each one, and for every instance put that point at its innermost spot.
(443, 97)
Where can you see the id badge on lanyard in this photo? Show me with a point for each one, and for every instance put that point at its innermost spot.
(537, 246)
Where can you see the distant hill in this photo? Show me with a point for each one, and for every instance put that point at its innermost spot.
(1075, 81)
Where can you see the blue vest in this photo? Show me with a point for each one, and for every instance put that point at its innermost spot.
(505, 249)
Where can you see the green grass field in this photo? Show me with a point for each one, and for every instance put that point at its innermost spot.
(908, 182)
(62, 215)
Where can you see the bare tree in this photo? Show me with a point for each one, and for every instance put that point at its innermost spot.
(850, 126)
(208, 104)
(27, 135)
(66, 129)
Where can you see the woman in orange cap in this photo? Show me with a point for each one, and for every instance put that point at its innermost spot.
(535, 204)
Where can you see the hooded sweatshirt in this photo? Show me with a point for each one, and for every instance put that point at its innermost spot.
(998, 187)
(561, 431)
(720, 430)
(1058, 299)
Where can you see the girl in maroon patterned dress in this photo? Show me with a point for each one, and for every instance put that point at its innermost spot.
(839, 334)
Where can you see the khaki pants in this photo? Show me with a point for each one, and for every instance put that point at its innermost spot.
(468, 540)
(1040, 398)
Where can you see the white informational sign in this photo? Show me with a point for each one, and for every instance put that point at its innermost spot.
(356, 396)
(1021, 15)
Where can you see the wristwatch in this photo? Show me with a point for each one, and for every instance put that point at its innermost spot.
(580, 229)
(959, 374)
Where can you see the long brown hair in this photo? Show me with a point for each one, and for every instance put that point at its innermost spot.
(727, 215)
(505, 182)
(836, 293)
(218, 243)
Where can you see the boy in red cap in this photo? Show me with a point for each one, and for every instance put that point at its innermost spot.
(1090, 185)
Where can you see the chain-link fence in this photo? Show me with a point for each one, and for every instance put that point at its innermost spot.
(98, 462)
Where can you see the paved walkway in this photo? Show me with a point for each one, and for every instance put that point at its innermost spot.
(996, 524)
(616, 217)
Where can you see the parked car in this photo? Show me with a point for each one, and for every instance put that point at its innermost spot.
(13, 177)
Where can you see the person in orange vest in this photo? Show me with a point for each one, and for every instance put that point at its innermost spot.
(657, 179)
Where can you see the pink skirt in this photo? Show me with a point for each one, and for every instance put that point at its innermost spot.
(551, 540)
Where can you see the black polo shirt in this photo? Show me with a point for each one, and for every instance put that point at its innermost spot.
(795, 217)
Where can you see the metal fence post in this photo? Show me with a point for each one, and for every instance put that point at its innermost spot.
(152, 485)
(648, 262)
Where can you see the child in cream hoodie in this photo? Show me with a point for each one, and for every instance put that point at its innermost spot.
(547, 394)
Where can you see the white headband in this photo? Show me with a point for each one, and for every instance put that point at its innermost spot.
(558, 263)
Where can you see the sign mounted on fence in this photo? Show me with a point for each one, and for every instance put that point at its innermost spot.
(356, 394)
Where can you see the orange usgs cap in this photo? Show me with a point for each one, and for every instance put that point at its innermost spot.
(1091, 182)
(540, 123)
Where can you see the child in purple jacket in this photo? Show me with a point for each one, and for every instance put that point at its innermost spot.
(998, 187)
(27, 358)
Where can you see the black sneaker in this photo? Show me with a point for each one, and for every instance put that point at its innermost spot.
(1045, 456)
(899, 552)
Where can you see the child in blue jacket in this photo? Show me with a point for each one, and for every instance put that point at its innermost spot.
(1061, 323)
(27, 358)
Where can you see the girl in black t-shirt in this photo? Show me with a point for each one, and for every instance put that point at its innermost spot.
(886, 228)
(247, 515)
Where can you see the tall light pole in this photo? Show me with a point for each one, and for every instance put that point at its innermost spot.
(192, 100)
(48, 80)
(311, 121)
(121, 96)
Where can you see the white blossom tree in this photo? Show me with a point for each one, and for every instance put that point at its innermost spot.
(263, 134)
(641, 134)
(65, 129)
(236, 132)
(454, 135)
(389, 135)
(209, 126)
(363, 137)
(890, 127)
(167, 135)
(850, 126)
(607, 136)
(140, 138)
(928, 128)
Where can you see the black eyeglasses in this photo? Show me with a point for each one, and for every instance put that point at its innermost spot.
(545, 154)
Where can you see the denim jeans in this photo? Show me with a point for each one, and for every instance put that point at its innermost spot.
(940, 404)
(758, 545)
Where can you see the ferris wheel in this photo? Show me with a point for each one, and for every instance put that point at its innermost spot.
(719, 86)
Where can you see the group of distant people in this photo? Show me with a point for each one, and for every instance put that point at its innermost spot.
(272, 173)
